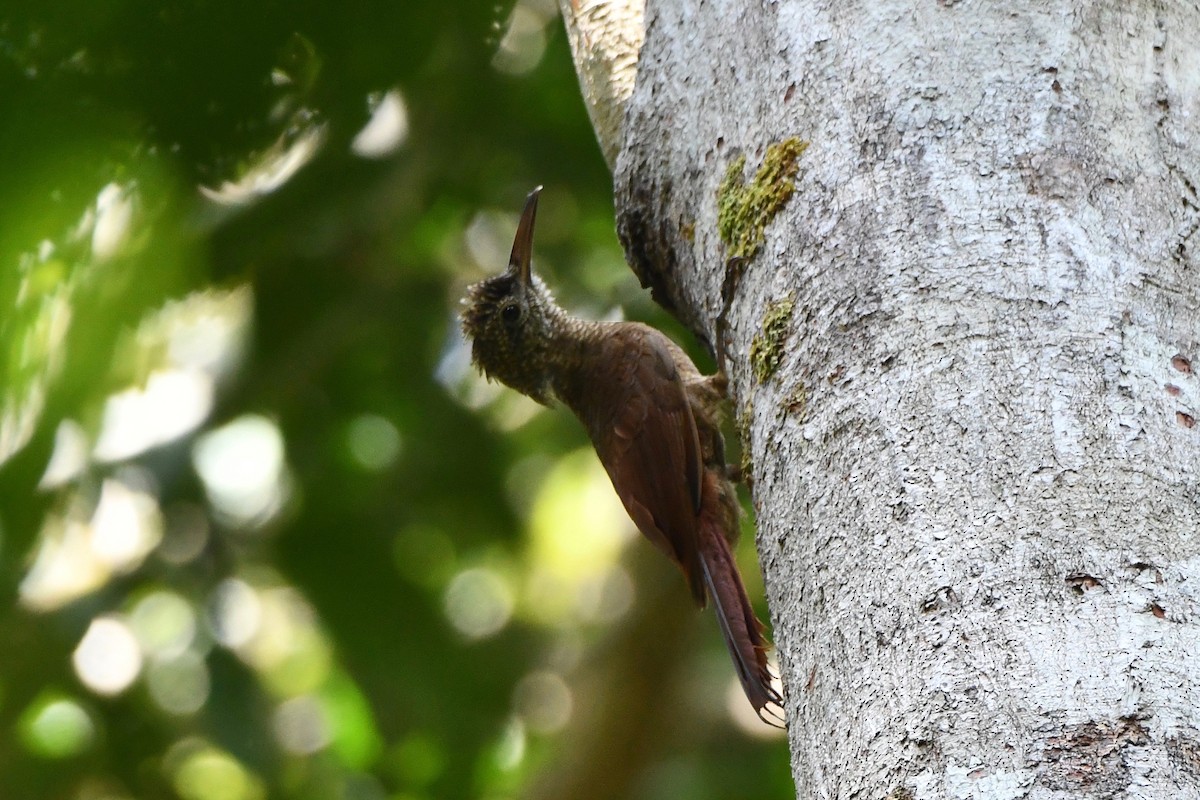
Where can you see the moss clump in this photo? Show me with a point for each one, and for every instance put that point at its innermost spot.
(766, 348)
(744, 418)
(745, 209)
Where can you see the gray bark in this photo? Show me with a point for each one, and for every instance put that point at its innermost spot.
(977, 475)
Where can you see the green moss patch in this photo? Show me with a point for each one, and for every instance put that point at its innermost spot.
(745, 209)
(744, 419)
(766, 348)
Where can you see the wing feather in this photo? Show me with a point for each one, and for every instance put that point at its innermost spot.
(646, 437)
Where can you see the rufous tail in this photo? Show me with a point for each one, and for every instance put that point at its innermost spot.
(742, 631)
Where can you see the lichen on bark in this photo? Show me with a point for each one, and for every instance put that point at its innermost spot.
(766, 349)
(745, 209)
(745, 418)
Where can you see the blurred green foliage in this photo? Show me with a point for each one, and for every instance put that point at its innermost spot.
(263, 532)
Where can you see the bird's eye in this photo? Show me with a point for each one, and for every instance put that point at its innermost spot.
(510, 313)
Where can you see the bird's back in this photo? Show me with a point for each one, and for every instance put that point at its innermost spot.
(628, 392)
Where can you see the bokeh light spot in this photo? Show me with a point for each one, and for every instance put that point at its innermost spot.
(478, 602)
(205, 331)
(63, 567)
(272, 169)
(288, 649)
(373, 441)
(125, 527)
(544, 701)
(577, 496)
(386, 130)
(523, 44)
(236, 613)
(301, 726)
(164, 624)
(114, 213)
(69, 456)
(488, 238)
(180, 685)
(74, 557)
(510, 749)
(108, 658)
(172, 403)
(355, 738)
(578, 530)
(186, 533)
(242, 467)
(211, 774)
(55, 726)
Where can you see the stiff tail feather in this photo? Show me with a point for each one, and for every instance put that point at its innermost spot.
(742, 631)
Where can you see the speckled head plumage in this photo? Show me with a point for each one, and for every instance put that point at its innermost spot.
(510, 318)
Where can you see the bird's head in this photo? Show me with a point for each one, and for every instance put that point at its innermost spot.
(509, 318)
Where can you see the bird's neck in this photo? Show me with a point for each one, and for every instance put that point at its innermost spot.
(571, 357)
(568, 342)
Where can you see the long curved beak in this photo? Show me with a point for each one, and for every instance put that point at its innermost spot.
(522, 250)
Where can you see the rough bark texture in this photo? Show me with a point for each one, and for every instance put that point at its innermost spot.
(605, 37)
(963, 355)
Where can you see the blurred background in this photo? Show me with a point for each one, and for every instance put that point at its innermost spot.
(263, 531)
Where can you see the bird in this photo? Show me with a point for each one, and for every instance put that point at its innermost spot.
(654, 421)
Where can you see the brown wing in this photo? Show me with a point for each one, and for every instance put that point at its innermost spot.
(641, 425)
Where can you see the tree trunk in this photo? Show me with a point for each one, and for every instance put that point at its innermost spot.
(961, 350)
